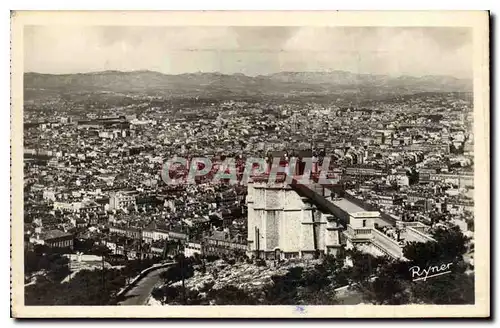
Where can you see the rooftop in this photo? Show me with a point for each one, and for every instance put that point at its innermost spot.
(52, 234)
(347, 206)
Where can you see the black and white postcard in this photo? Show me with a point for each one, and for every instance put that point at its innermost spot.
(250, 164)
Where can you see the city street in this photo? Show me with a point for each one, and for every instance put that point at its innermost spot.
(140, 293)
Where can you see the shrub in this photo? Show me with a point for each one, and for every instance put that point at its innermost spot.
(212, 258)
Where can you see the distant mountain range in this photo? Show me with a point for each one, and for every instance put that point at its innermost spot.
(213, 84)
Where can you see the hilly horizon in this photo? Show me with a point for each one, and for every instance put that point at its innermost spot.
(291, 73)
(214, 84)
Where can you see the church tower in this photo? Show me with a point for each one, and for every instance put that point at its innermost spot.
(284, 225)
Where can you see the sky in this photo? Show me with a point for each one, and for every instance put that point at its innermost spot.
(252, 51)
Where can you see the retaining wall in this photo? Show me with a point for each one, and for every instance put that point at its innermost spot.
(141, 276)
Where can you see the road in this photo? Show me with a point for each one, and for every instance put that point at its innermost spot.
(140, 293)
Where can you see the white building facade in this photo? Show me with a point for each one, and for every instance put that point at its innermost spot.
(283, 225)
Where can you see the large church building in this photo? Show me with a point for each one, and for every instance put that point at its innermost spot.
(283, 225)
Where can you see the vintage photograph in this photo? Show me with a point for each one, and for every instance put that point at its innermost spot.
(292, 165)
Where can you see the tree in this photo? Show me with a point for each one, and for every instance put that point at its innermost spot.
(379, 279)
(449, 247)
(389, 287)
(317, 278)
(134, 267)
(83, 245)
(413, 176)
(197, 259)
(231, 295)
(183, 269)
(336, 271)
(212, 258)
(364, 266)
(422, 254)
(453, 243)
(456, 287)
(284, 288)
(317, 286)
(56, 266)
(175, 295)
(83, 289)
(298, 286)
(166, 294)
(100, 250)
